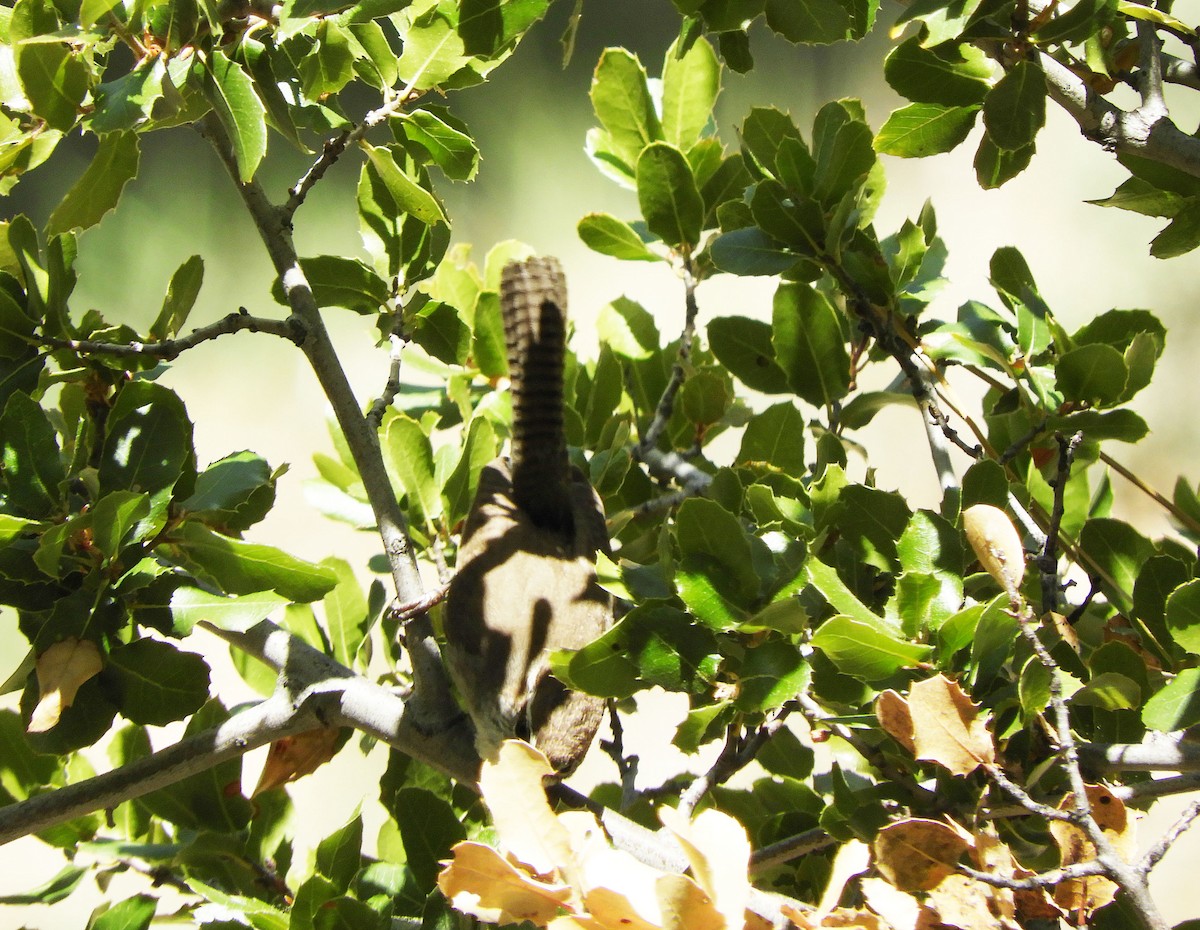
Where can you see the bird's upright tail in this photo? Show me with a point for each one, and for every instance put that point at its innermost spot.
(533, 300)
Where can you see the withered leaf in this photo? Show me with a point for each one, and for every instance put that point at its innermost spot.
(916, 854)
(61, 671)
(896, 718)
(294, 757)
(947, 728)
(480, 882)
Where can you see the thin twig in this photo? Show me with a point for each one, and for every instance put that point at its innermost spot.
(406, 611)
(937, 430)
(1167, 840)
(1150, 492)
(1036, 882)
(666, 403)
(241, 321)
(392, 387)
(790, 849)
(1047, 560)
(627, 765)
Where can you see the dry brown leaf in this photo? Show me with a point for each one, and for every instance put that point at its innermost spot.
(525, 825)
(619, 890)
(992, 855)
(853, 858)
(61, 671)
(718, 851)
(947, 728)
(296, 756)
(997, 546)
(900, 909)
(896, 718)
(916, 855)
(964, 903)
(482, 883)
(853, 920)
(1110, 814)
(686, 906)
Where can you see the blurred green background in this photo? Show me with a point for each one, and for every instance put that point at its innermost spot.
(535, 182)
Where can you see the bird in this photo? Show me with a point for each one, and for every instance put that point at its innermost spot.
(525, 579)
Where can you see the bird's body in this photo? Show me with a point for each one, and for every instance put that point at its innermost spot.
(525, 583)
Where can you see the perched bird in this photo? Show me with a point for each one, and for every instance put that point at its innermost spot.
(525, 582)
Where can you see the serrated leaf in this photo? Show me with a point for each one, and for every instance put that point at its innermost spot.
(445, 144)
(867, 651)
(407, 193)
(433, 51)
(99, 187)
(1015, 108)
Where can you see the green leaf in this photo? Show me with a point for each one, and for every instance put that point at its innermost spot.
(1182, 234)
(842, 150)
(744, 347)
(922, 129)
(1183, 616)
(867, 651)
(951, 75)
(621, 99)
(1080, 22)
(712, 543)
(628, 329)
(407, 193)
(429, 828)
(55, 79)
(1118, 551)
(995, 167)
(179, 300)
(410, 457)
(1015, 108)
(771, 674)
(433, 51)
(831, 587)
(488, 26)
(33, 470)
(750, 251)
(1010, 275)
(1141, 196)
(99, 187)
(337, 281)
(608, 235)
(478, 450)
(488, 350)
(440, 139)
(115, 517)
(157, 682)
(811, 22)
(239, 567)
(231, 92)
(668, 196)
(775, 437)
(339, 855)
(51, 891)
(799, 223)
(347, 612)
(1095, 374)
(691, 83)
(134, 913)
(191, 605)
(810, 345)
(148, 443)
(233, 493)
(1176, 706)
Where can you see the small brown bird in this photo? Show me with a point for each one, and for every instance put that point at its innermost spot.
(525, 583)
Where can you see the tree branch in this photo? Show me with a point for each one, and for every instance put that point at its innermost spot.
(169, 349)
(432, 699)
(666, 403)
(1162, 755)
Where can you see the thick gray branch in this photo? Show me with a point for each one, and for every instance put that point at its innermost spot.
(1161, 755)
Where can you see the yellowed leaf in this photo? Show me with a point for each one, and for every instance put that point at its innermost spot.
(853, 919)
(947, 728)
(896, 718)
(1110, 814)
(480, 882)
(61, 671)
(525, 825)
(900, 909)
(294, 757)
(997, 546)
(853, 858)
(915, 854)
(964, 903)
(686, 906)
(619, 891)
(719, 853)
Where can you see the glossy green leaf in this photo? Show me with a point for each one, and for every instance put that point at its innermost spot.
(811, 22)
(1118, 551)
(231, 92)
(922, 129)
(148, 443)
(191, 605)
(433, 51)
(810, 345)
(1176, 706)
(831, 587)
(608, 235)
(54, 79)
(487, 26)
(750, 252)
(842, 150)
(337, 281)
(180, 299)
(157, 682)
(771, 674)
(869, 652)
(339, 855)
(995, 167)
(1181, 235)
(775, 437)
(668, 196)
(407, 193)
(1095, 374)
(478, 450)
(712, 542)
(1015, 108)
(347, 612)
(33, 470)
(239, 567)
(953, 76)
(410, 457)
(744, 347)
(628, 329)
(134, 913)
(1183, 616)
(428, 827)
(690, 84)
(441, 139)
(621, 99)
